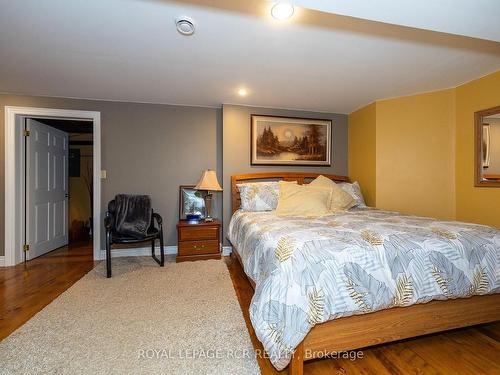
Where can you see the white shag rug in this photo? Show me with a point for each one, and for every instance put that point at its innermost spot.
(181, 319)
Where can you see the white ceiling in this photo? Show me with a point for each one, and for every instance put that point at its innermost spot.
(129, 50)
(476, 18)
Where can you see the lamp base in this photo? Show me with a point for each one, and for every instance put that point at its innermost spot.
(208, 207)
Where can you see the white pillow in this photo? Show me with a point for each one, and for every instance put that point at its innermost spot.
(355, 191)
(259, 196)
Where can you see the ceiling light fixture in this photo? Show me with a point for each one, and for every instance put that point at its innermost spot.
(282, 10)
(185, 25)
(242, 92)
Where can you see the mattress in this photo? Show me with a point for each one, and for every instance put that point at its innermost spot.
(308, 271)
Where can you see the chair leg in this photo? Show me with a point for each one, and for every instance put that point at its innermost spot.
(162, 252)
(108, 258)
(160, 261)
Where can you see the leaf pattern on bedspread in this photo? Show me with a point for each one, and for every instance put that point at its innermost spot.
(284, 248)
(310, 270)
(316, 306)
(307, 278)
(474, 246)
(372, 237)
(450, 279)
(404, 291)
(479, 283)
(399, 252)
(364, 289)
(286, 325)
(444, 233)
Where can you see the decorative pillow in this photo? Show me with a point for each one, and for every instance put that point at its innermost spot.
(303, 200)
(340, 200)
(355, 191)
(259, 196)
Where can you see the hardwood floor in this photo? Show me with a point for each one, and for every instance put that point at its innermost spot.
(468, 351)
(27, 288)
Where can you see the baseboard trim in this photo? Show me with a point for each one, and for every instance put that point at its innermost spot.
(146, 251)
(227, 250)
(138, 252)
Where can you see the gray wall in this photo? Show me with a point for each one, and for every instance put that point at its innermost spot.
(236, 146)
(152, 149)
(146, 148)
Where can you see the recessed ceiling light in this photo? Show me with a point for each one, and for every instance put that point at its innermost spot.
(282, 10)
(242, 92)
(185, 25)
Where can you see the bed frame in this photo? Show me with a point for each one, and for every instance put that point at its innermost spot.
(360, 331)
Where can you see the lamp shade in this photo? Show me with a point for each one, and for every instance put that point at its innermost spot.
(208, 181)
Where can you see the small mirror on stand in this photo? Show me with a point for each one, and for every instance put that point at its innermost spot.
(191, 204)
(487, 148)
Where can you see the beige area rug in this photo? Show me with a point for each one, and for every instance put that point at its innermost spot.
(180, 319)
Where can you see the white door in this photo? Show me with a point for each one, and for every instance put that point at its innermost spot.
(46, 188)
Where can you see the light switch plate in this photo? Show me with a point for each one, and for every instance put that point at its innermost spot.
(104, 174)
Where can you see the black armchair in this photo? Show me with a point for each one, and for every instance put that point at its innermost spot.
(113, 237)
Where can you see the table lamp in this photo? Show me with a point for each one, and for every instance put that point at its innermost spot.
(209, 183)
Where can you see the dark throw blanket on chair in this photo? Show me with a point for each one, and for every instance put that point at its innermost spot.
(132, 215)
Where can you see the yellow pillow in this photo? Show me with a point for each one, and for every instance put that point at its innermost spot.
(302, 200)
(340, 200)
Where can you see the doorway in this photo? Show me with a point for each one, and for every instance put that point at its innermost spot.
(58, 184)
(48, 226)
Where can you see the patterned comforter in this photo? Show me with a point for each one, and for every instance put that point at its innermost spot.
(308, 271)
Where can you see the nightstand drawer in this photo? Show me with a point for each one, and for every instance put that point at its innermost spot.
(198, 241)
(198, 247)
(198, 233)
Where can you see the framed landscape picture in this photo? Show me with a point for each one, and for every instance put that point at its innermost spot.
(290, 141)
(191, 202)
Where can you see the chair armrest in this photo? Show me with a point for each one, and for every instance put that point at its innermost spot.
(108, 221)
(158, 218)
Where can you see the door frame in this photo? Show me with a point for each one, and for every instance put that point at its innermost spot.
(14, 183)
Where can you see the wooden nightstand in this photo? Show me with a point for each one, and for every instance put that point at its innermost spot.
(197, 241)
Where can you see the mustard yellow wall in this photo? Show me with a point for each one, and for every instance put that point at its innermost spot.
(362, 150)
(424, 153)
(415, 147)
(474, 204)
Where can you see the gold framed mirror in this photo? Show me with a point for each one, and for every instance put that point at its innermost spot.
(487, 147)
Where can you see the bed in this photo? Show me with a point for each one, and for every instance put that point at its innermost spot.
(359, 278)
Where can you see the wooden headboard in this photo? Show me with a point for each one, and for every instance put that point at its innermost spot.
(300, 177)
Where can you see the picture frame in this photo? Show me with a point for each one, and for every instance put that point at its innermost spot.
(486, 146)
(190, 202)
(293, 141)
